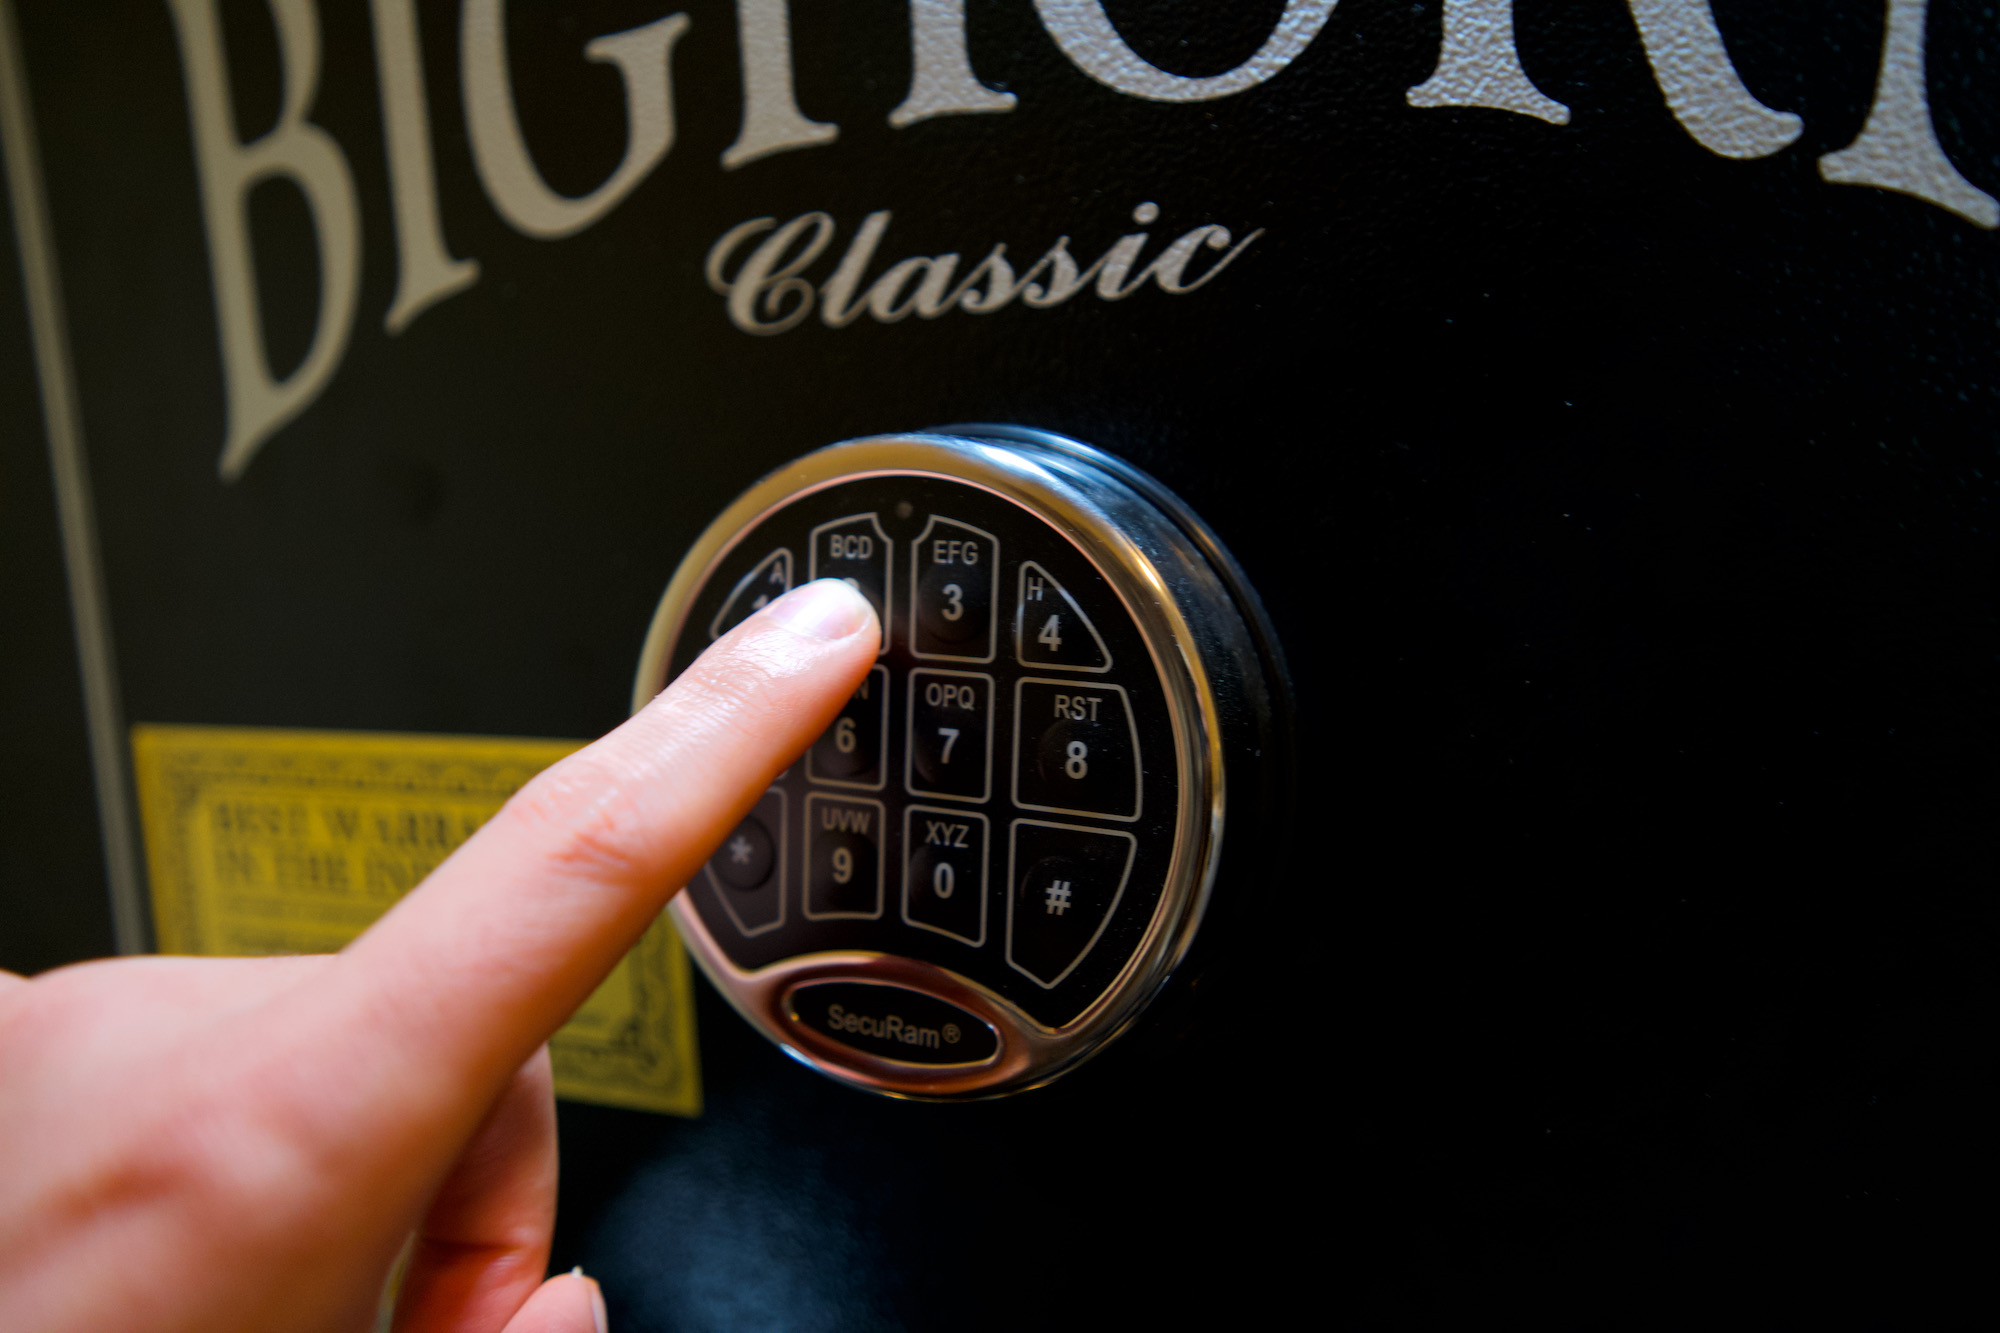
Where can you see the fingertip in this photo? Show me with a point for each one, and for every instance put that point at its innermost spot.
(829, 609)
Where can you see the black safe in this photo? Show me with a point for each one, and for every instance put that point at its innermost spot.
(1565, 435)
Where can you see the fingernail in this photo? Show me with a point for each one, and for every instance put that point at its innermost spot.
(824, 609)
(597, 1313)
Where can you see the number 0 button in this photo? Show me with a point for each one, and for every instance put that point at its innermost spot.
(944, 872)
(1075, 749)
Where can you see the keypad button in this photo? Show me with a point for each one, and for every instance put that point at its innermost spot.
(747, 858)
(856, 549)
(944, 872)
(854, 750)
(951, 735)
(844, 843)
(1075, 749)
(1064, 883)
(747, 872)
(953, 570)
(1051, 629)
(770, 580)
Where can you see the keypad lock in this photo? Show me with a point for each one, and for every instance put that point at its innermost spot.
(1005, 844)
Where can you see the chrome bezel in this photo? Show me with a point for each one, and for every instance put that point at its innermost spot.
(1146, 560)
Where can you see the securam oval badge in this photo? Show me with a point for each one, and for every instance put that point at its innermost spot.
(1003, 848)
(892, 1022)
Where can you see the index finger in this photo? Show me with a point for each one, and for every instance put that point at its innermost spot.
(478, 965)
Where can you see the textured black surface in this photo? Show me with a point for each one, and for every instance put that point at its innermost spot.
(1626, 513)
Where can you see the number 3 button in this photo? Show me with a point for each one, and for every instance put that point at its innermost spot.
(953, 569)
(951, 735)
(1075, 749)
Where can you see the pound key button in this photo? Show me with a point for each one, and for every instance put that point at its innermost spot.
(1066, 881)
(892, 1023)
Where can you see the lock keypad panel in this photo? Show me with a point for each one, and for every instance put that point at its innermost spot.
(1003, 846)
(999, 798)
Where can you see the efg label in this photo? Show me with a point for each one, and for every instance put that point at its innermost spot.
(265, 841)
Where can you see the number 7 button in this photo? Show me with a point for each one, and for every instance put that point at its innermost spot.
(951, 735)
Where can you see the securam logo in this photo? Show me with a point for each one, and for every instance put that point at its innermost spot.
(763, 283)
(891, 1027)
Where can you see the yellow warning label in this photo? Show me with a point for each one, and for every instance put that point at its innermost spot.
(266, 841)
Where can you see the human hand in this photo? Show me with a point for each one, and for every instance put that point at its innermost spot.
(244, 1143)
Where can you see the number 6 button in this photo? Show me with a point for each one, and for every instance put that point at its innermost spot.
(951, 735)
(1075, 749)
(850, 753)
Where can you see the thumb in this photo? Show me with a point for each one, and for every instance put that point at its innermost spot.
(571, 1303)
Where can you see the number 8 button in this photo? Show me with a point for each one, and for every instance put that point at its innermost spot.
(1075, 749)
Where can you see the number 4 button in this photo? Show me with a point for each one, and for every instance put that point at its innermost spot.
(1051, 630)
